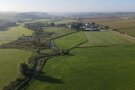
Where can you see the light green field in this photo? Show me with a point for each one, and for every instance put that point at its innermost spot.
(40, 20)
(9, 62)
(59, 31)
(96, 68)
(108, 38)
(64, 21)
(70, 41)
(13, 34)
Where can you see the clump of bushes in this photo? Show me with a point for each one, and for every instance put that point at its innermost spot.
(65, 52)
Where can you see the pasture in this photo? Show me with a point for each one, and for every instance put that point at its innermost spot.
(9, 62)
(59, 31)
(95, 68)
(106, 38)
(70, 41)
(88, 67)
(65, 21)
(13, 34)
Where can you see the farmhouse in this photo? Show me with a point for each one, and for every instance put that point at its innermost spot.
(90, 27)
(87, 26)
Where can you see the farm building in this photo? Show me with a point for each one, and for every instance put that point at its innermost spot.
(91, 27)
(87, 26)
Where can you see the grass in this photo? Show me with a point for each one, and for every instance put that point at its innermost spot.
(107, 38)
(96, 68)
(59, 31)
(70, 41)
(93, 68)
(13, 34)
(9, 62)
(64, 21)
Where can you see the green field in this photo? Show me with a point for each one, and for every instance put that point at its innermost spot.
(95, 68)
(13, 34)
(70, 41)
(91, 68)
(65, 21)
(9, 62)
(59, 31)
(107, 38)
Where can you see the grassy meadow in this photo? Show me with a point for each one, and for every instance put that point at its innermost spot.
(71, 40)
(59, 31)
(65, 21)
(9, 62)
(95, 68)
(13, 34)
(106, 38)
(87, 67)
(90, 68)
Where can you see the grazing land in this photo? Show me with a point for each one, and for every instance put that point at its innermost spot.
(98, 60)
(95, 68)
(13, 34)
(106, 38)
(58, 31)
(65, 21)
(71, 40)
(9, 62)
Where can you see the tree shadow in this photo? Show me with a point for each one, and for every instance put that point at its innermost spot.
(49, 79)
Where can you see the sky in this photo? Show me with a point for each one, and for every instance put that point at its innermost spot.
(68, 5)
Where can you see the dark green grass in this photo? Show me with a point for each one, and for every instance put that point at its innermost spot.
(9, 63)
(96, 68)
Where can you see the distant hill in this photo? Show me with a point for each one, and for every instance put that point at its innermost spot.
(9, 19)
(32, 15)
(14, 16)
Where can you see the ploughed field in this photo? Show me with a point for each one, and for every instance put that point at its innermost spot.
(9, 64)
(13, 34)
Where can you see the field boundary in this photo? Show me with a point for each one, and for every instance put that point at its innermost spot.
(64, 35)
(105, 46)
(126, 35)
(79, 43)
